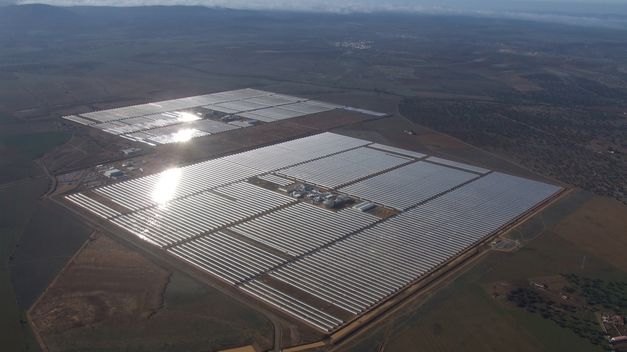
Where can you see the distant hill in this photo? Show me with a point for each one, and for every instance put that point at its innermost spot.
(53, 18)
(36, 16)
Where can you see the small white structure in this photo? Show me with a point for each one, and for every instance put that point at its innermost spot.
(130, 151)
(114, 173)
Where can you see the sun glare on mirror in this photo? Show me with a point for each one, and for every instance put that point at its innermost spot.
(187, 116)
(183, 135)
(166, 187)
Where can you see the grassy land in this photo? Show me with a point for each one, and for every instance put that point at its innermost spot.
(33, 145)
(46, 244)
(17, 204)
(465, 314)
(18, 150)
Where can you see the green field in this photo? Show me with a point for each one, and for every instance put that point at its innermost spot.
(33, 145)
(17, 204)
(18, 150)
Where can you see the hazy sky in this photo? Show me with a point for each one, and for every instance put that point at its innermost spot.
(580, 12)
(337, 5)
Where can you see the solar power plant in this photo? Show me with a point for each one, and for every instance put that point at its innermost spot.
(322, 267)
(181, 120)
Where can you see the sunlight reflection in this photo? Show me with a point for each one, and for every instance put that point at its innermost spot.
(165, 188)
(182, 136)
(187, 116)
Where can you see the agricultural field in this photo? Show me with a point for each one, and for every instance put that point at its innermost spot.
(18, 203)
(50, 239)
(19, 150)
(110, 297)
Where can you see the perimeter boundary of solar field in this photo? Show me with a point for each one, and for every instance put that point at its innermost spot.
(433, 280)
(404, 290)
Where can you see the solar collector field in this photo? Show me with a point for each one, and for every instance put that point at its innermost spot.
(408, 185)
(302, 227)
(143, 192)
(140, 192)
(206, 211)
(164, 122)
(363, 269)
(292, 306)
(92, 205)
(322, 267)
(295, 152)
(214, 253)
(344, 168)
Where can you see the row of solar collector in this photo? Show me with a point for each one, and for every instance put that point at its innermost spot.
(92, 205)
(354, 279)
(345, 167)
(293, 306)
(181, 219)
(263, 106)
(302, 227)
(373, 264)
(172, 105)
(384, 189)
(226, 257)
(321, 232)
(136, 124)
(138, 193)
(500, 207)
(408, 185)
(163, 128)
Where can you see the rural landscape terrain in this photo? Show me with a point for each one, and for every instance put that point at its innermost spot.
(538, 100)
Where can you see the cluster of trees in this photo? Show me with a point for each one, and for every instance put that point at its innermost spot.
(611, 295)
(568, 91)
(599, 295)
(581, 322)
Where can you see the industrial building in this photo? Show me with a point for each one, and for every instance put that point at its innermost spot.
(255, 220)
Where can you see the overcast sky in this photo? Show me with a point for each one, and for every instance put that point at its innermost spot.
(579, 12)
(335, 5)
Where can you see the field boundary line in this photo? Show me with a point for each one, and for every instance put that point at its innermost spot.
(29, 312)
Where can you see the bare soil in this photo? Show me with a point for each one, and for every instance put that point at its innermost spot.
(110, 297)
